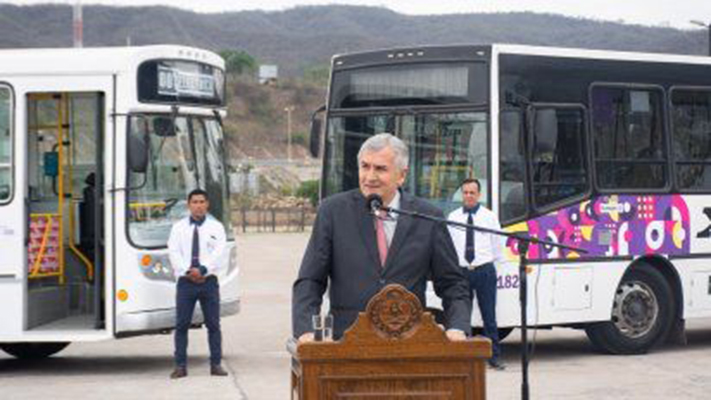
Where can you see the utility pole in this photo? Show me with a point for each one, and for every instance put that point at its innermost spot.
(78, 25)
(708, 27)
(288, 110)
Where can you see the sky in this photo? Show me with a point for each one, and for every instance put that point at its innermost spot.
(675, 14)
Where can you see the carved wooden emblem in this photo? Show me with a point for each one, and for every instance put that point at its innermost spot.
(394, 311)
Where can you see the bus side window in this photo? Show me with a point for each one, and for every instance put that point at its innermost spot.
(628, 133)
(558, 154)
(691, 128)
(5, 144)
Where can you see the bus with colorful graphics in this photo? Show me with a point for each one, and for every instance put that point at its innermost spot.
(98, 149)
(601, 150)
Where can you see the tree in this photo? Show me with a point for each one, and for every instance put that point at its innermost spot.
(239, 62)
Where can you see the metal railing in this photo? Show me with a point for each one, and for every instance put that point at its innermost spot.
(274, 219)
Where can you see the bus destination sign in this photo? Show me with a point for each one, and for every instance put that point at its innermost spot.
(176, 82)
(180, 82)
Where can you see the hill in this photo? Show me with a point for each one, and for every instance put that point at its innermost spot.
(301, 37)
(256, 123)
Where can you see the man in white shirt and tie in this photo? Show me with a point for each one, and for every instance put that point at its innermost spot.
(477, 252)
(196, 246)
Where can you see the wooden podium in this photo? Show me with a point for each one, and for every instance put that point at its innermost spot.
(395, 350)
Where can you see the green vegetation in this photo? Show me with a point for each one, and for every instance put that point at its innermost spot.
(239, 62)
(309, 190)
(299, 138)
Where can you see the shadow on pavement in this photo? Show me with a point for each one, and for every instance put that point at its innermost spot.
(96, 366)
(548, 349)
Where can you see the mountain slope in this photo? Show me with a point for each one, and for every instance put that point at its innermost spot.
(305, 36)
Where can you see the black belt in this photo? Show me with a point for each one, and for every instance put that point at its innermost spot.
(473, 267)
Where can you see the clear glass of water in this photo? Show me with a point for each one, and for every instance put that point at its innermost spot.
(328, 328)
(317, 325)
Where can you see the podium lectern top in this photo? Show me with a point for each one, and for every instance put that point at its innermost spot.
(394, 350)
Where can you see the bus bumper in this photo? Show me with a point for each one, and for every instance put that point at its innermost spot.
(155, 321)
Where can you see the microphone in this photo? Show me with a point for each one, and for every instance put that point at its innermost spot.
(374, 202)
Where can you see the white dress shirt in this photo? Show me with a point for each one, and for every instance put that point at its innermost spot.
(390, 223)
(487, 246)
(213, 242)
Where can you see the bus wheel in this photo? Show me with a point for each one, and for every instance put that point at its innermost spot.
(642, 314)
(33, 351)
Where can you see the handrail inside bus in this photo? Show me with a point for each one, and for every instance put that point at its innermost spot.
(43, 246)
(72, 228)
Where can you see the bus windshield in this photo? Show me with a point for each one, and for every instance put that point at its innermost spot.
(445, 148)
(181, 157)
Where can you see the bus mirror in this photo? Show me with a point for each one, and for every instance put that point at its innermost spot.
(218, 117)
(315, 135)
(138, 153)
(315, 139)
(545, 130)
(163, 127)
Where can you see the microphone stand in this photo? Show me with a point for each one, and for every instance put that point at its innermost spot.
(524, 241)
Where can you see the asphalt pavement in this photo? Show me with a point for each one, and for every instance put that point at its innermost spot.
(563, 365)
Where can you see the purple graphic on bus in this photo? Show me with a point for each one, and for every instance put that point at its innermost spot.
(609, 226)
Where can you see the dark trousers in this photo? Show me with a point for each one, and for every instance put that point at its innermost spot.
(208, 294)
(482, 282)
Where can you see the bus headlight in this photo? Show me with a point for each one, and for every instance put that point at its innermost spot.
(156, 267)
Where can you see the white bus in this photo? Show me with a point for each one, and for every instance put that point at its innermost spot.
(98, 150)
(605, 151)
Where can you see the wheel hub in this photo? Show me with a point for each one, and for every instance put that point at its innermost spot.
(635, 310)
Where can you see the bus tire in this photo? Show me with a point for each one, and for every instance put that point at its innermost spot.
(642, 314)
(33, 351)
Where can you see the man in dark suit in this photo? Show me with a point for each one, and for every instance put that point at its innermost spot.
(360, 253)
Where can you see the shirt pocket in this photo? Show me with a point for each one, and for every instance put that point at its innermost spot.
(211, 243)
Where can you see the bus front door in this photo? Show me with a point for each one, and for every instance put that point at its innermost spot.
(65, 236)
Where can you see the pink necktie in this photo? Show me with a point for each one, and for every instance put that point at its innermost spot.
(382, 239)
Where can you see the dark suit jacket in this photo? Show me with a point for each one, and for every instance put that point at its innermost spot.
(343, 249)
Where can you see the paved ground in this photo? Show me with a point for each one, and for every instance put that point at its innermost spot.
(563, 366)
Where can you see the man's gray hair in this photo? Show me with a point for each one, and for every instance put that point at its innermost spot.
(383, 140)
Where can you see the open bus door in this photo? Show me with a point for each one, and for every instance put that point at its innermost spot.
(53, 278)
(65, 243)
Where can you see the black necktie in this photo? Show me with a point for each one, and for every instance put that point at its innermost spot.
(469, 249)
(196, 249)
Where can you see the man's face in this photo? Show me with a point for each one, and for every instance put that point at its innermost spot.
(470, 194)
(198, 206)
(378, 174)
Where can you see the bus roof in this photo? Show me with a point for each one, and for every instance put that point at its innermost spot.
(600, 54)
(95, 59)
(420, 53)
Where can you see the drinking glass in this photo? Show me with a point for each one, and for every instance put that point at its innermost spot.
(317, 325)
(328, 328)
